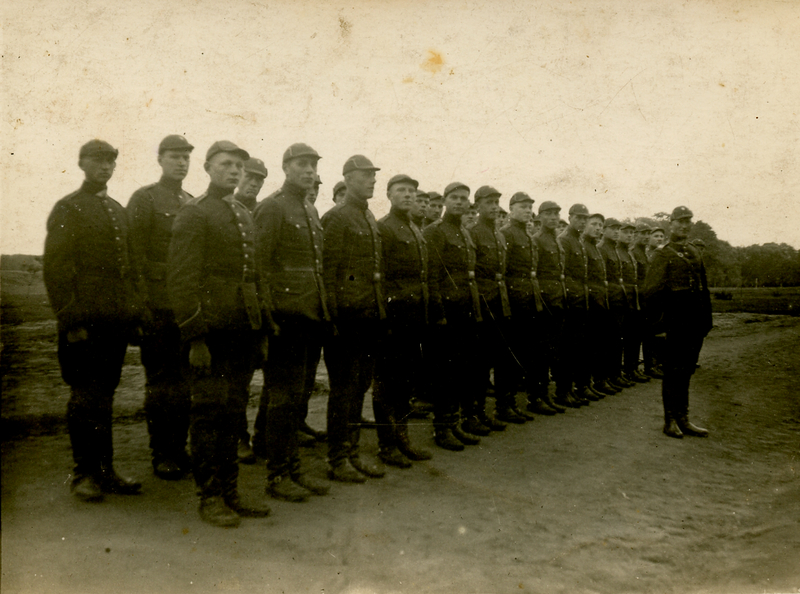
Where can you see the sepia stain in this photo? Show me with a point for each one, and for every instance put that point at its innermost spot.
(344, 27)
(434, 62)
(185, 531)
(149, 102)
(408, 79)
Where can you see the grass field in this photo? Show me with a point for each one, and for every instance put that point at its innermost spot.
(765, 300)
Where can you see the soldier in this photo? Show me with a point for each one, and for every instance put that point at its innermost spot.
(502, 219)
(339, 190)
(94, 290)
(597, 287)
(537, 225)
(524, 295)
(644, 337)
(631, 338)
(700, 245)
(677, 289)
(550, 275)
(289, 249)
(255, 172)
(212, 286)
(456, 312)
(657, 238)
(435, 207)
(419, 208)
(562, 226)
(572, 349)
(314, 191)
(617, 306)
(471, 217)
(352, 273)
(490, 270)
(151, 213)
(405, 265)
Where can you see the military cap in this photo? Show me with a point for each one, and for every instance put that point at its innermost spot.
(455, 186)
(174, 142)
(226, 146)
(340, 185)
(256, 166)
(681, 212)
(612, 222)
(300, 150)
(578, 209)
(421, 193)
(658, 228)
(520, 197)
(97, 147)
(486, 192)
(434, 196)
(627, 226)
(402, 178)
(643, 228)
(548, 205)
(358, 163)
(698, 242)
(597, 215)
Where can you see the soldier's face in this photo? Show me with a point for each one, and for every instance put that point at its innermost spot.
(312, 194)
(301, 172)
(578, 222)
(251, 185)
(611, 233)
(435, 209)
(225, 170)
(656, 238)
(339, 196)
(680, 228)
(470, 219)
(642, 238)
(402, 196)
(594, 228)
(489, 207)
(174, 164)
(361, 183)
(457, 202)
(549, 218)
(98, 169)
(521, 211)
(626, 235)
(420, 207)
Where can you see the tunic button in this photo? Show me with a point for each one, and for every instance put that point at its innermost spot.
(117, 238)
(244, 234)
(247, 255)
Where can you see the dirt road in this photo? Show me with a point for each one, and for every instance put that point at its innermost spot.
(596, 500)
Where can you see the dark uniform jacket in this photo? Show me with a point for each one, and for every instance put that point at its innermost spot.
(490, 268)
(550, 269)
(151, 213)
(676, 289)
(405, 269)
(627, 266)
(524, 293)
(595, 275)
(351, 262)
(451, 254)
(639, 255)
(212, 272)
(616, 291)
(289, 247)
(575, 268)
(88, 270)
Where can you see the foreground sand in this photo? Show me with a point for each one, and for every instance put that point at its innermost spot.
(596, 500)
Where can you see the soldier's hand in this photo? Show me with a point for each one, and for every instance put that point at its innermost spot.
(264, 349)
(77, 335)
(199, 356)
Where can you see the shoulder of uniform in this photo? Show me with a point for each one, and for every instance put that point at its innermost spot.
(434, 224)
(197, 200)
(71, 196)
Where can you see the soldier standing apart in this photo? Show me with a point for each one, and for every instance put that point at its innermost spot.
(631, 339)
(676, 288)
(573, 356)
(550, 275)
(352, 274)
(289, 250)
(617, 307)
(93, 286)
(212, 285)
(151, 213)
(524, 296)
(490, 271)
(397, 377)
(456, 312)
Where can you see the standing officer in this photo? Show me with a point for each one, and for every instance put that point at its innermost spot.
(631, 340)
(490, 271)
(617, 307)
(352, 273)
(550, 274)
(676, 288)
(151, 213)
(435, 207)
(212, 285)
(572, 351)
(405, 266)
(255, 173)
(524, 296)
(92, 281)
(456, 311)
(289, 250)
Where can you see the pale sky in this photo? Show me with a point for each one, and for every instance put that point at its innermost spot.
(630, 107)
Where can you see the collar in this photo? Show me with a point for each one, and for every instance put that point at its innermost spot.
(293, 191)
(217, 192)
(485, 223)
(171, 184)
(359, 203)
(520, 224)
(402, 215)
(451, 219)
(592, 240)
(94, 188)
(574, 233)
(609, 241)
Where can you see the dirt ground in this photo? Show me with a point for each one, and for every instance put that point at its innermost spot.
(593, 501)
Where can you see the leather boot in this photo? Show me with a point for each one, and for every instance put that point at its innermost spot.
(245, 453)
(216, 512)
(567, 400)
(521, 412)
(344, 472)
(110, 482)
(576, 396)
(587, 394)
(612, 383)
(491, 422)
(308, 430)
(393, 457)
(623, 381)
(252, 510)
(540, 407)
(310, 484)
(85, 488)
(167, 469)
(603, 388)
(474, 426)
(654, 372)
(689, 428)
(367, 468)
(466, 438)
(671, 428)
(444, 438)
(284, 488)
(404, 445)
(507, 414)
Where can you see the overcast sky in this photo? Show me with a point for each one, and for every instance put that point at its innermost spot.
(628, 107)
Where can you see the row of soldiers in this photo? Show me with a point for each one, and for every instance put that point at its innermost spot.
(417, 309)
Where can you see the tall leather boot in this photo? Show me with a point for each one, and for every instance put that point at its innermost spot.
(668, 397)
(443, 433)
(404, 444)
(686, 426)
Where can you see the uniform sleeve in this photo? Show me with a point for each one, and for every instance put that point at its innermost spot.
(185, 270)
(435, 239)
(332, 249)
(655, 283)
(140, 221)
(60, 266)
(706, 295)
(268, 218)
